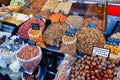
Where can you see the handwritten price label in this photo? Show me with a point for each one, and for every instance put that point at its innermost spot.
(101, 51)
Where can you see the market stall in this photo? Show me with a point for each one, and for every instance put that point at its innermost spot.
(59, 40)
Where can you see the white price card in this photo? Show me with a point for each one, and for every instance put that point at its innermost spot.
(101, 51)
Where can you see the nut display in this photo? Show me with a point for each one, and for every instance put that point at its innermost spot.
(87, 38)
(53, 34)
(23, 30)
(100, 24)
(75, 21)
(93, 68)
(29, 57)
(64, 6)
(57, 17)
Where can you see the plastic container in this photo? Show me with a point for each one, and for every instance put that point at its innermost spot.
(30, 64)
(34, 37)
(69, 47)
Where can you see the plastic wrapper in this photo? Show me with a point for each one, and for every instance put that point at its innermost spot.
(118, 74)
(69, 60)
(9, 55)
(27, 60)
(14, 76)
(16, 18)
(68, 45)
(63, 73)
(15, 66)
(3, 64)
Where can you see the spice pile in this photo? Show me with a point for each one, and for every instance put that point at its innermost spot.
(57, 18)
(68, 45)
(93, 68)
(75, 21)
(64, 6)
(53, 34)
(23, 30)
(87, 38)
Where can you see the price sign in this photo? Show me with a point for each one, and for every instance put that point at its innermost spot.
(101, 51)
(35, 26)
(71, 32)
(91, 25)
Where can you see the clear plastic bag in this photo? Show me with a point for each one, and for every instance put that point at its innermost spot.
(30, 64)
(68, 47)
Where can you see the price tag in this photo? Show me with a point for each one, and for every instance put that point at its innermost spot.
(101, 51)
(35, 26)
(91, 25)
(70, 32)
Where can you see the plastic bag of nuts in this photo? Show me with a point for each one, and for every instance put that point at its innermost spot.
(68, 45)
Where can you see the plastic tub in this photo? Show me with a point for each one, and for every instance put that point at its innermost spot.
(69, 47)
(30, 64)
(34, 37)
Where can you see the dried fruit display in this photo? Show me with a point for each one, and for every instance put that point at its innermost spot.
(58, 17)
(75, 21)
(53, 34)
(87, 38)
(23, 30)
(93, 68)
